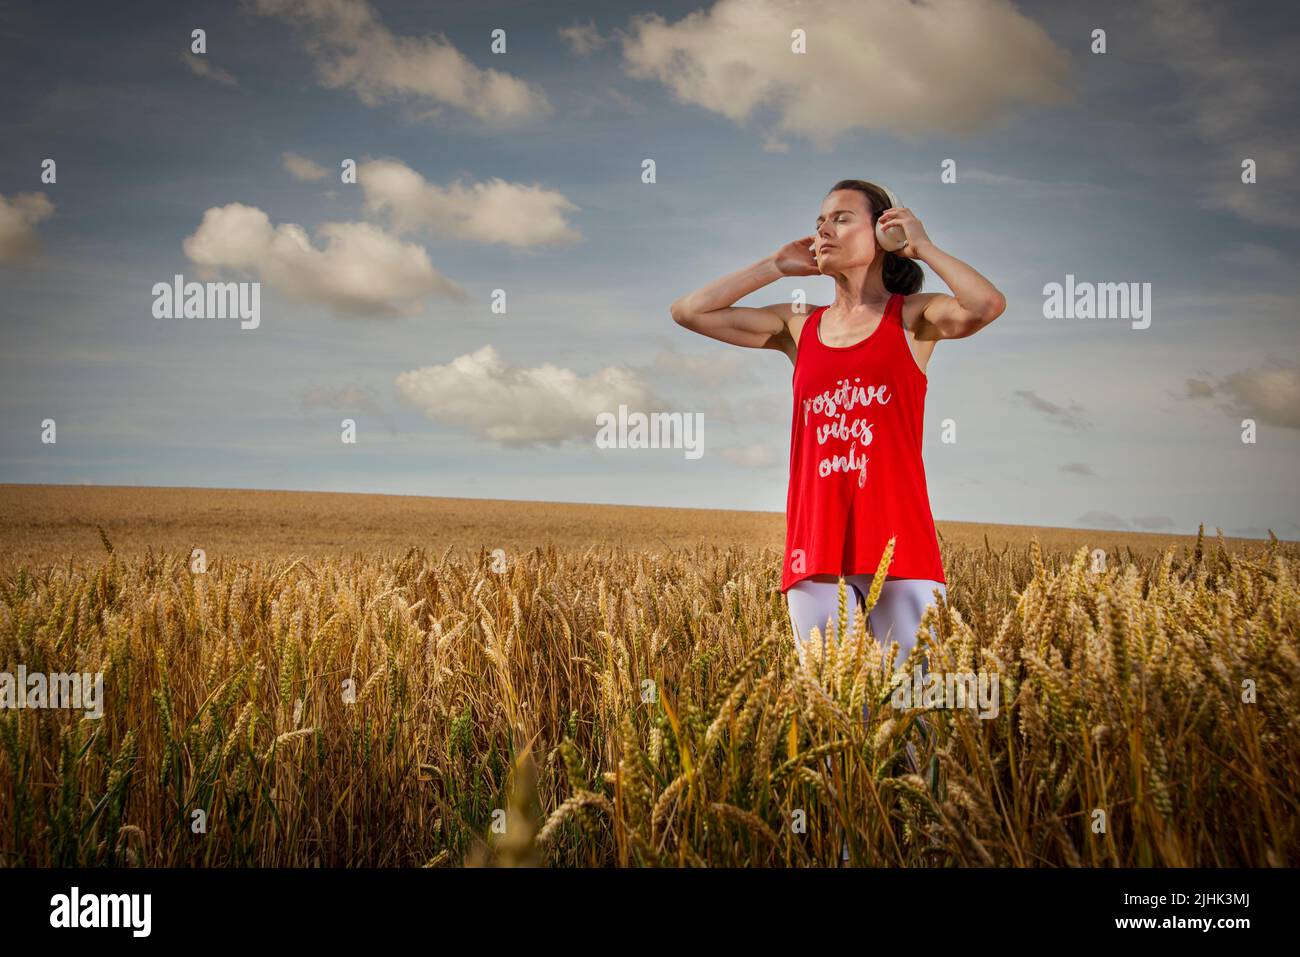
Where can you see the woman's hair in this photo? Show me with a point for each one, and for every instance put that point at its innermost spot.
(900, 274)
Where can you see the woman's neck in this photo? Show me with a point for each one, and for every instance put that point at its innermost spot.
(863, 286)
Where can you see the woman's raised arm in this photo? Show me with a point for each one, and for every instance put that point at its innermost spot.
(709, 310)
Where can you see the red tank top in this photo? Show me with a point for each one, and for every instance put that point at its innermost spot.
(856, 475)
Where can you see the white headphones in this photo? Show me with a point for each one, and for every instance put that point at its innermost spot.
(894, 238)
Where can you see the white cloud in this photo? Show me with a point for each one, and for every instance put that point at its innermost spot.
(948, 66)
(583, 38)
(361, 271)
(200, 66)
(301, 168)
(1272, 393)
(519, 407)
(18, 217)
(1269, 392)
(354, 50)
(489, 212)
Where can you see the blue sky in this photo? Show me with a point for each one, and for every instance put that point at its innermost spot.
(522, 171)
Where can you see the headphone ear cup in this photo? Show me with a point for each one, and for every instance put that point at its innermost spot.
(890, 241)
(893, 239)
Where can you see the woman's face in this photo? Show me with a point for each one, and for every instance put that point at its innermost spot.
(846, 236)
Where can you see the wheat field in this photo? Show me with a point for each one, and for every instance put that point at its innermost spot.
(619, 706)
(55, 523)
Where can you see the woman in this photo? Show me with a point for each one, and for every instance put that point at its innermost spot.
(856, 475)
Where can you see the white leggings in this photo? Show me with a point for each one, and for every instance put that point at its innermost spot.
(895, 617)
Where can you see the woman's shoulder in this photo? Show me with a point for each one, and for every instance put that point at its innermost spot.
(800, 321)
(911, 307)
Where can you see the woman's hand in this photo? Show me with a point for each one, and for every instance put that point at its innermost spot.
(796, 258)
(906, 220)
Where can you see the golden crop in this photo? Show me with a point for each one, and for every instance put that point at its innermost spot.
(613, 707)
